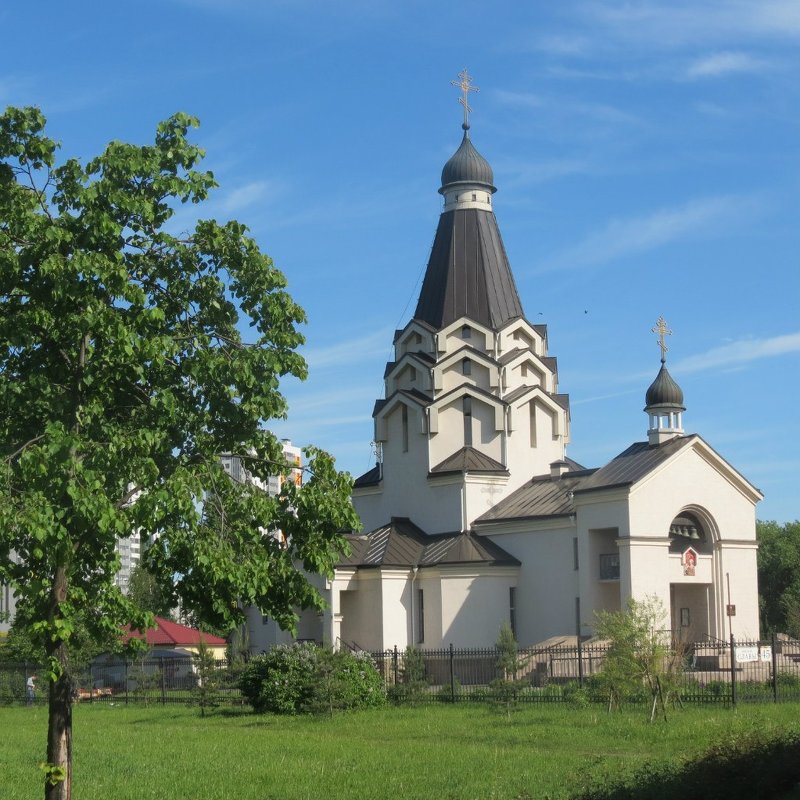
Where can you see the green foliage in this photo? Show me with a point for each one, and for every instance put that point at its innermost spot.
(204, 692)
(124, 376)
(756, 763)
(779, 577)
(506, 688)
(305, 678)
(640, 658)
(147, 594)
(412, 685)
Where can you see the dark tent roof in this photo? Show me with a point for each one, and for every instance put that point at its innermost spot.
(468, 273)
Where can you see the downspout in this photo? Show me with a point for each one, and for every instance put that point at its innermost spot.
(414, 570)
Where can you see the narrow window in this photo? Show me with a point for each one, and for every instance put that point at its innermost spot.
(420, 616)
(474, 196)
(532, 407)
(404, 418)
(575, 563)
(512, 609)
(467, 408)
(466, 332)
(412, 375)
(466, 367)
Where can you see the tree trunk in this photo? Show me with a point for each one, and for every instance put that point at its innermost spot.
(58, 778)
(58, 782)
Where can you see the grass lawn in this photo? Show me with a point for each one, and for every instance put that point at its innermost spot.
(464, 751)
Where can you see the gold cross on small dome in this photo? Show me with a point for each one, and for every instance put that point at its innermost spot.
(465, 84)
(662, 330)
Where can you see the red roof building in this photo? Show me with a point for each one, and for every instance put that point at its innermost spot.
(173, 634)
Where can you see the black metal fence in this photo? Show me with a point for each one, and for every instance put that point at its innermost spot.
(700, 672)
(160, 678)
(713, 671)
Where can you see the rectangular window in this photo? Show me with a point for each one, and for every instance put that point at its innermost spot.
(404, 417)
(609, 566)
(467, 408)
(420, 617)
(575, 562)
(512, 609)
(532, 407)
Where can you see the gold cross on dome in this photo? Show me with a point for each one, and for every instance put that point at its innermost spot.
(465, 84)
(662, 330)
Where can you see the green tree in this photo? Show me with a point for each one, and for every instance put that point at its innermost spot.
(123, 378)
(506, 687)
(779, 577)
(147, 593)
(640, 658)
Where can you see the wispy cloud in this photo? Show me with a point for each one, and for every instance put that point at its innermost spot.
(622, 238)
(740, 352)
(350, 351)
(245, 196)
(688, 22)
(726, 63)
(598, 112)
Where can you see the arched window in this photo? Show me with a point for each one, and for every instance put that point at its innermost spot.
(686, 530)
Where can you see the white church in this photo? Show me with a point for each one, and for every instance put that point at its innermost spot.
(474, 515)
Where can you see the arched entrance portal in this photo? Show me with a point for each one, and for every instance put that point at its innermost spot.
(692, 595)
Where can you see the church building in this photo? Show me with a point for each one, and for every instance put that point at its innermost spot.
(474, 515)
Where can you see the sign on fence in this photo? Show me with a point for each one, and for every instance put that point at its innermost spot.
(765, 653)
(746, 654)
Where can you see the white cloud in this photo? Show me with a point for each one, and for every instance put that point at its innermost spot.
(726, 63)
(245, 196)
(626, 237)
(687, 22)
(350, 351)
(740, 352)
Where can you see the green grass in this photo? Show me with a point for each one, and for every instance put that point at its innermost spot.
(426, 752)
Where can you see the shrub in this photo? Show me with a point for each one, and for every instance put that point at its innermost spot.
(413, 684)
(305, 678)
(756, 764)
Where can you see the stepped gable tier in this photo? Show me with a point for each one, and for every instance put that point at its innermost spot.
(401, 543)
(468, 274)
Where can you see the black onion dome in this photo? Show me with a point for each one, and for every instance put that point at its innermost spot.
(467, 165)
(664, 391)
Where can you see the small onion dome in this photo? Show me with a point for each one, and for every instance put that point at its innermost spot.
(467, 166)
(664, 391)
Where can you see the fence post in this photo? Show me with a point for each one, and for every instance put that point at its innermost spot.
(774, 670)
(394, 664)
(452, 677)
(733, 671)
(580, 662)
(163, 687)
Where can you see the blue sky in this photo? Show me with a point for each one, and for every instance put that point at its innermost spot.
(645, 154)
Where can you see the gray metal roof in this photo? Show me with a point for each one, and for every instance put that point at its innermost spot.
(370, 478)
(400, 543)
(543, 496)
(633, 464)
(468, 459)
(468, 273)
(467, 165)
(664, 391)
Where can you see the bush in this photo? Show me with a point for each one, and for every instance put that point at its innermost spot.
(413, 683)
(756, 764)
(304, 678)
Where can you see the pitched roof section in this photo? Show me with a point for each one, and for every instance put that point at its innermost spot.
(468, 459)
(370, 478)
(401, 543)
(542, 496)
(633, 464)
(468, 273)
(172, 634)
